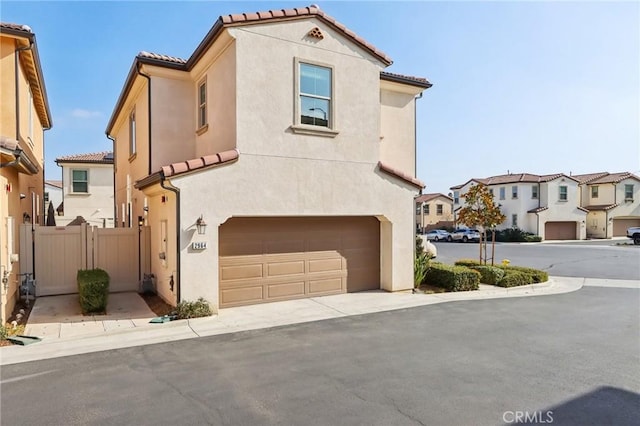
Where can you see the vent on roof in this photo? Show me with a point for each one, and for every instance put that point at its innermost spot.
(316, 33)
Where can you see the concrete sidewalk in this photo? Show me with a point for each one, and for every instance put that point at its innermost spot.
(130, 325)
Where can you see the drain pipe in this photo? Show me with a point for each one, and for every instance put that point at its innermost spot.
(415, 134)
(115, 206)
(177, 192)
(148, 110)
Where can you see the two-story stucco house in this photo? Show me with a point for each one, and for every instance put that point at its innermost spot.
(25, 116)
(613, 202)
(87, 189)
(545, 205)
(283, 134)
(433, 211)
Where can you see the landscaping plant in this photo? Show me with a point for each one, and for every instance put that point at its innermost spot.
(197, 309)
(93, 289)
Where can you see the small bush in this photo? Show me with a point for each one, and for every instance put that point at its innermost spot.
(514, 279)
(467, 262)
(197, 309)
(537, 276)
(533, 238)
(4, 332)
(516, 235)
(420, 268)
(489, 274)
(453, 278)
(93, 289)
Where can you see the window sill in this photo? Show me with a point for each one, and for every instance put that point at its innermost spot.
(314, 130)
(628, 200)
(202, 129)
(79, 194)
(132, 157)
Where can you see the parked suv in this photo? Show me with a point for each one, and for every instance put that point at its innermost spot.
(634, 234)
(464, 235)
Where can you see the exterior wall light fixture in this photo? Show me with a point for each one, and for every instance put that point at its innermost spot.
(201, 225)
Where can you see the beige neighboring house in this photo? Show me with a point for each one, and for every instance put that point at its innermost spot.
(25, 116)
(545, 205)
(290, 105)
(613, 202)
(87, 189)
(52, 195)
(433, 211)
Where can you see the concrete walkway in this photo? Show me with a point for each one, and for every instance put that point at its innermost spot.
(127, 324)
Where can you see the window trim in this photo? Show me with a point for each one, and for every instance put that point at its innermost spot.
(566, 193)
(439, 209)
(426, 210)
(503, 193)
(308, 129)
(73, 191)
(514, 192)
(630, 186)
(202, 126)
(534, 192)
(133, 127)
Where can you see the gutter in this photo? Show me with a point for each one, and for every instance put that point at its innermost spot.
(176, 191)
(17, 93)
(415, 134)
(148, 111)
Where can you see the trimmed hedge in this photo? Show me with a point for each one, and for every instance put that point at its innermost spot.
(93, 289)
(467, 262)
(489, 274)
(537, 276)
(514, 279)
(452, 278)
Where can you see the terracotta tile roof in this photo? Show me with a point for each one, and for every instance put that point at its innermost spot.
(514, 178)
(164, 58)
(590, 176)
(601, 207)
(105, 157)
(613, 178)
(537, 210)
(56, 183)
(8, 143)
(428, 197)
(403, 176)
(583, 209)
(416, 81)
(200, 163)
(15, 27)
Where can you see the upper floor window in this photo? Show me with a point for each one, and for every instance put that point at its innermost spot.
(79, 181)
(132, 133)
(562, 193)
(202, 104)
(502, 193)
(628, 192)
(439, 209)
(491, 191)
(315, 89)
(456, 197)
(46, 197)
(417, 208)
(534, 192)
(425, 208)
(594, 191)
(514, 192)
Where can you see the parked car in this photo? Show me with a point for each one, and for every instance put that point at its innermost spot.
(634, 234)
(437, 235)
(464, 235)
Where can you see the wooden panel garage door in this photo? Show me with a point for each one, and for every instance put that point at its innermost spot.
(620, 226)
(270, 259)
(560, 231)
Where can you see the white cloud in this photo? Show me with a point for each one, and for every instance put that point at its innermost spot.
(84, 113)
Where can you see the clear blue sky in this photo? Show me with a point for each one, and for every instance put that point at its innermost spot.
(538, 87)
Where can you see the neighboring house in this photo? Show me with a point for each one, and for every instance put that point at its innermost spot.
(433, 211)
(613, 201)
(52, 195)
(87, 189)
(283, 134)
(25, 116)
(545, 205)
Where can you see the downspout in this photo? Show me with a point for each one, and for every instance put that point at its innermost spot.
(415, 134)
(148, 111)
(115, 205)
(177, 192)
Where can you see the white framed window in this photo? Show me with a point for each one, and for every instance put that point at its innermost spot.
(562, 193)
(417, 208)
(594, 191)
(79, 181)
(425, 208)
(202, 104)
(314, 111)
(534, 192)
(132, 132)
(502, 193)
(514, 192)
(456, 197)
(514, 220)
(439, 209)
(628, 192)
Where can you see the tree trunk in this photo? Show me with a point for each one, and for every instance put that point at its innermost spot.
(493, 246)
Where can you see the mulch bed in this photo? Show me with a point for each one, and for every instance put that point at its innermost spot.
(14, 317)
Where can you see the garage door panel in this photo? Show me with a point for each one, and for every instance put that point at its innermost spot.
(323, 244)
(241, 272)
(326, 286)
(241, 248)
(560, 231)
(285, 268)
(243, 295)
(620, 226)
(285, 247)
(324, 265)
(285, 290)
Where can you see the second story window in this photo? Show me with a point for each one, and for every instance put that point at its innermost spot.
(594, 191)
(132, 133)
(562, 193)
(202, 104)
(628, 192)
(417, 208)
(514, 192)
(456, 197)
(502, 192)
(439, 209)
(534, 192)
(315, 88)
(425, 208)
(79, 181)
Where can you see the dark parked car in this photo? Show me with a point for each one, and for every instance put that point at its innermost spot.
(464, 235)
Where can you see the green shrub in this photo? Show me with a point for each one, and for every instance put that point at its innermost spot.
(467, 262)
(197, 309)
(537, 276)
(514, 279)
(533, 238)
(4, 332)
(489, 274)
(453, 278)
(420, 268)
(419, 245)
(516, 235)
(93, 289)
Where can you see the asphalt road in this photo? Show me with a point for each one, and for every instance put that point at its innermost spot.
(573, 359)
(590, 259)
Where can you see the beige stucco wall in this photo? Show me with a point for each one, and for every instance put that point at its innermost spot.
(96, 206)
(397, 127)
(422, 219)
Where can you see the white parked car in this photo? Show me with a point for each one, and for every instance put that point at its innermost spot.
(634, 234)
(437, 235)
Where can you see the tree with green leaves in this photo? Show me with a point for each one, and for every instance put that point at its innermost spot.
(480, 211)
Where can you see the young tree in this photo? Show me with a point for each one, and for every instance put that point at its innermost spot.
(480, 211)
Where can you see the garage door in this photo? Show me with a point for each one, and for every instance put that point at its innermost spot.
(270, 259)
(620, 226)
(560, 231)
